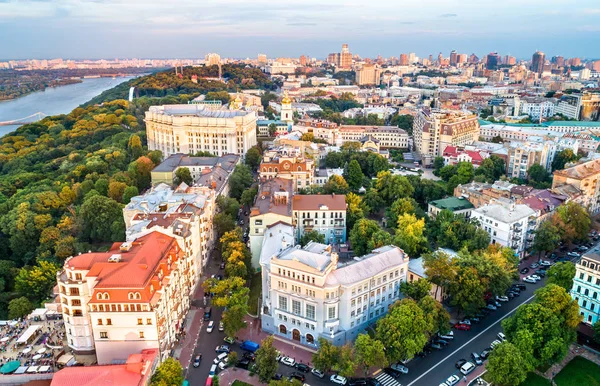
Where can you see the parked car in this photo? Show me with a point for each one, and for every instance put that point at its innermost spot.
(373, 382)
(464, 327)
(459, 363)
(535, 277)
(222, 349)
(485, 354)
(437, 346)
(250, 356)
(540, 272)
(496, 303)
(476, 358)
(529, 279)
(452, 380)
(210, 326)
(501, 336)
(573, 254)
(288, 361)
(448, 336)
(221, 326)
(400, 368)
(510, 295)
(520, 287)
(357, 382)
(465, 321)
(492, 307)
(524, 271)
(545, 263)
(302, 367)
(223, 364)
(441, 341)
(243, 364)
(475, 319)
(212, 371)
(338, 379)
(502, 298)
(391, 372)
(220, 357)
(222, 266)
(494, 344)
(467, 368)
(277, 377)
(298, 376)
(229, 340)
(534, 265)
(317, 373)
(197, 360)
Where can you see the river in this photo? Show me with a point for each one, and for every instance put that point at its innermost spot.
(54, 100)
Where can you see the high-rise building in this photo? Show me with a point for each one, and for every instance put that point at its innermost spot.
(453, 58)
(333, 58)
(473, 58)
(462, 59)
(537, 62)
(412, 58)
(345, 58)
(493, 60)
(575, 62)
(558, 60)
(433, 130)
(440, 59)
(262, 59)
(212, 59)
(368, 74)
(303, 60)
(509, 60)
(403, 60)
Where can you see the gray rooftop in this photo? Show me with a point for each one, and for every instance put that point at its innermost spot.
(227, 162)
(312, 255)
(365, 267)
(505, 213)
(197, 110)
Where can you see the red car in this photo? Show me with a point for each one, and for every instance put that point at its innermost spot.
(464, 327)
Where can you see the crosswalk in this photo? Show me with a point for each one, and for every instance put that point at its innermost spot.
(387, 380)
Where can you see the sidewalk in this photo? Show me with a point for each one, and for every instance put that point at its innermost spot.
(184, 351)
(574, 350)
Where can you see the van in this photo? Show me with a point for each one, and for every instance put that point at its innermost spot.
(207, 313)
(221, 357)
(213, 371)
(249, 346)
(467, 368)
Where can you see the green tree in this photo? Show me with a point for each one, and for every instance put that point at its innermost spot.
(129, 193)
(400, 207)
(337, 185)
(391, 187)
(223, 223)
(467, 291)
(253, 158)
(183, 175)
(222, 96)
(140, 170)
(563, 157)
(101, 186)
(240, 180)
(272, 129)
(379, 239)
(360, 235)
(505, 366)
(102, 219)
(326, 357)
(440, 270)
(232, 359)
(312, 235)
(346, 365)
(19, 307)
(168, 373)
(403, 329)
(355, 175)
(596, 328)
(572, 221)
(438, 164)
(355, 210)
(416, 289)
(37, 282)
(134, 144)
(373, 200)
(438, 319)
(410, 234)
(116, 190)
(562, 274)
(248, 196)
(369, 352)
(539, 177)
(266, 360)
(546, 238)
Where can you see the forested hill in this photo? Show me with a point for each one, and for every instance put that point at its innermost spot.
(65, 179)
(166, 83)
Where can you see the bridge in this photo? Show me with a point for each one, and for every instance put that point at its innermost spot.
(23, 121)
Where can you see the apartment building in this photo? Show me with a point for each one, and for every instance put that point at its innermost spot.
(585, 177)
(309, 294)
(569, 105)
(507, 224)
(324, 213)
(523, 155)
(131, 298)
(586, 286)
(368, 74)
(287, 163)
(192, 128)
(434, 130)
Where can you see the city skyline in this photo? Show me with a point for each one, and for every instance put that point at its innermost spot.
(88, 29)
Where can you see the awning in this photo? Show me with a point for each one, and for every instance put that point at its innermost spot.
(21, 370)
(32, 369)
(9, 367)
(24, 338)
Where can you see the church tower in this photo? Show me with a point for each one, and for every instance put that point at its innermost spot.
(287, 115)
(237, 103)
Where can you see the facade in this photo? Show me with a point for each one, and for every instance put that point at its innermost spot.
(569, 105)
(309, 294)
(416, 271)
(262, 127)
(434, 130)
(131, 298)
(537, 62)
(507, 224)
(294, 167)
(368, 74)
(192, 128)
(537, 108)
(453, 155)
(586, 286)
(522, 156)
(585, 177)
(457, 205)
(323, 213)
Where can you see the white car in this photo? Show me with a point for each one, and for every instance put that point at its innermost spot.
(210, 326)
(213, 371)
(501, 336)
(529, 279)
(494, 344)
(466, 321)
(502, 298)
(545, 263)
(221, 326)
(288, 361)
(338, 379)
(535, 277)
(223, 363)
(452, 380)
(317, 373)
(399, 367)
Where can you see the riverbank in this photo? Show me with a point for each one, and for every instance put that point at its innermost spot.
(40, 87)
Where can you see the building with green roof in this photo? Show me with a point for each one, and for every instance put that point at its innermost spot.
(457, 205)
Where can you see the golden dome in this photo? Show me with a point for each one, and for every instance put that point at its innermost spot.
(286, 99)
(238, 99)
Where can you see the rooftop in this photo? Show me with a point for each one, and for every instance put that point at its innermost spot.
(319, 202)
(505, 213)
(162, 198)
(452, 203)
(580, 171)
(313, 255)
(197, 110)
(227, 162)
(274, 197)
(365, 267)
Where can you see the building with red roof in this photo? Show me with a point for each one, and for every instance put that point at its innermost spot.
(453, 155)
(131, 298)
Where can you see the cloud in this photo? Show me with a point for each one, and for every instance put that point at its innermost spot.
(448, 15)
(301, 23)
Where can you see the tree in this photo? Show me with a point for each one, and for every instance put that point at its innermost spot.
(403, 329)
(337, 185)
(223, 223)
(438, 163)
(169, 373)
(240, 180)
(467, 291)
(559, 301)
(391, 187)
(416, 289)
(140, 170)
(232, 358)
(379, 239)
(440, 270)
(134, 144)
(402, 206)
(129, 193)
(183, 175)
(312, 235)
(272, 129)
(355, 209)
(562, 274)
(253, 158)
(596, 328)
(505, 365)
(326, 357)
(373, 200)
(37, 282)
(102, 219)
(360, 235)
(266, 360)
(546, 238)
(410, 234)
(572, 221)
(116, 190)
(19, 307)
(101, 186)
(355, 175)
(248, 196)
(438, 319)
(539, 177)
(564, 157)
(346, 364)
(369, 352)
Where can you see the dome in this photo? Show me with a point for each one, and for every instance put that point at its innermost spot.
(286, 99)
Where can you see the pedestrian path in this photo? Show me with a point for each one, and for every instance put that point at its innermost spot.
(387, 380)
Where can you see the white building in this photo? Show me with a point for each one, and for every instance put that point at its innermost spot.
(569, 105)
(324, 213)
(193, 128)
(535, 107)
(309, 294)
(507, 224)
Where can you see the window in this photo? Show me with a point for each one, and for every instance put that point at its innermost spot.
(331, 313)
(109, 322)
(103, 335)
(149, 321)
(581, 276)
(99, 322)
(578, 288)
(296, 307)
(584, 303)
(310, 311)
(140, 321)
(283, 303)
(141, 334)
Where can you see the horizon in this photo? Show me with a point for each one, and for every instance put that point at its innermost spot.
(102, 29)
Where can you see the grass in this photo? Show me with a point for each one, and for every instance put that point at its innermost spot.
(579, 372)
(255, 291)
(240, 383)
(535, 380)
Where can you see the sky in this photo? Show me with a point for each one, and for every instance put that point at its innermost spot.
(243, 28)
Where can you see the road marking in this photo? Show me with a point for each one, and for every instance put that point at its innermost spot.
(387, 380)
(471, 340)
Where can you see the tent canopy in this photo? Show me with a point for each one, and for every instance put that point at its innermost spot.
(9, 367)
(24, 338)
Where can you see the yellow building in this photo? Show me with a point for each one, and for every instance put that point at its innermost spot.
(584, 177)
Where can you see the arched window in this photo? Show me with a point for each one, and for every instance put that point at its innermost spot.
(299, 168)
(584, 263)
(282, 329)
(270, 170)
(106, 296)
(138, 296)
(276, 170)
(99, 296)
(130, 296)
(265, 170)
(310, 339)
(592, 266)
